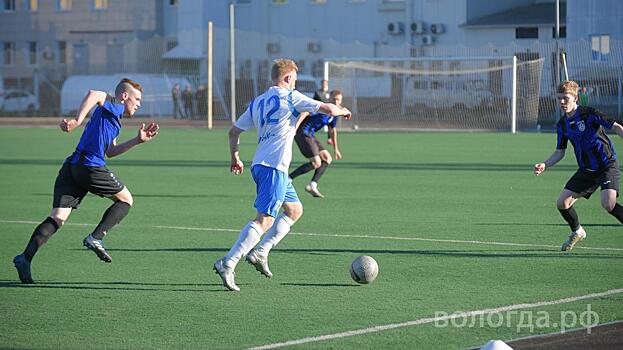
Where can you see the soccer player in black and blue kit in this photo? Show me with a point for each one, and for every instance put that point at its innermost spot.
(310, 146)
(85, 170)
(596, 158)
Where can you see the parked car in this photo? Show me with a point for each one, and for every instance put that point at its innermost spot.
(20, 101)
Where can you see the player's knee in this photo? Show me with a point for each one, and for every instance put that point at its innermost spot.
(563, 203)
(294, 212)
(125, 196)
(60, 221)
(608, 205)
(316, 163)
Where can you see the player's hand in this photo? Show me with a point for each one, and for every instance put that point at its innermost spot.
(68, 125)
(236, 167)
(147, 133)
(338, 155)
(347, 114)
(539, 169)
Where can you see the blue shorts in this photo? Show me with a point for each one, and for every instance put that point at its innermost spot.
(273, 189)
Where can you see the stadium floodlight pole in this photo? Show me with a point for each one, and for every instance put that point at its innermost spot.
(210, 52)
(232, 64)
(514, 98)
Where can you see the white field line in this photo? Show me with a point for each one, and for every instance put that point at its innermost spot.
(421, 321)
(397, 238)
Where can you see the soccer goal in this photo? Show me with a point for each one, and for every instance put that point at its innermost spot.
(446, 93)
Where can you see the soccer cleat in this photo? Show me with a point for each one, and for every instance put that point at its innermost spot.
(23, 269)
(97, 246)
(313, 190)
(573, 239)
(260, 263)
(227, 275)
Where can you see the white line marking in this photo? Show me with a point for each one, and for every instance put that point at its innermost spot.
(435, 319)
(510, 244)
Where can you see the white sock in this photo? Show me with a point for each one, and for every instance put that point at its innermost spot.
(275, 234)
(313, 184)
(249, 236)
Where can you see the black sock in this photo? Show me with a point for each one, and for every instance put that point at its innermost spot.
(42, 233)
(307, 167)
(112, 216)
(318, 173)
(617, 212)
(571, 217)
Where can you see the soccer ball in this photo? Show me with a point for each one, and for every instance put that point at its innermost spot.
(364, 269)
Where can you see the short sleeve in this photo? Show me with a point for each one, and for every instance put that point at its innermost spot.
(333, 122)
(245, 122)
(602, 119)
(303, 103)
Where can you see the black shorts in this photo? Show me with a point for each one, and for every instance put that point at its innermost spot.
(586, 182)
(74, 181)
(309, 145)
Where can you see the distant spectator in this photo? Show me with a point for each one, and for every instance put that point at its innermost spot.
(175, 95)
(584, 96)
(202, 100)
(187, 98)
(323, 94)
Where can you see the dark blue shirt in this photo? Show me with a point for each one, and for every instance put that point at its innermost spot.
(98, 134)
(317, 121)
(585, 129)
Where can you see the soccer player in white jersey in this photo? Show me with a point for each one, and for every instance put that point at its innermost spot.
(274, 114)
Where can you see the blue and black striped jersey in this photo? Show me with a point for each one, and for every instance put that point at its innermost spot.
(585, 129)
(317, 121)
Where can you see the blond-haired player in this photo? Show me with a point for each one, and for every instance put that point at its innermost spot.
(274, 113)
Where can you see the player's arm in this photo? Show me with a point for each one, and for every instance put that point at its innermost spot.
(556, 157)
(333, 138)
(145, 133)
(236, 165)
(92, 98)
(334, 110)
(301, 119)
(618, 129)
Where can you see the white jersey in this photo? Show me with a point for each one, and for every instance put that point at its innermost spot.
(274, 114)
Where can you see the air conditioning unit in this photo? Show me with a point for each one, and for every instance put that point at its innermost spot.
(437, 28)
(428, 40)
(273, 48)
(418, 27)
(313, 46)
(395, 28)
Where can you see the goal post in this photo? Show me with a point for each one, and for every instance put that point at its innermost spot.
(446, 93)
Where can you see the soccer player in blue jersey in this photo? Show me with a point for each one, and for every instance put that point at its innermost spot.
(596, 158)
(85, 170)
(310, 146)
(275, 114)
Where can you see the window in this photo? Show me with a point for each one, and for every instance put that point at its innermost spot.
(8, 53)
(527, 33)
(32, 52)
(63, 5)
(61, 50)
(600, 47)
(8, 5)
(562, 34)
(32, 5)
(100, 4)
(174, 2)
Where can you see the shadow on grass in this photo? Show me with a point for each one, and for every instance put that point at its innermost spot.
(126, 286)
(319, 285)
(533, 224)
(527, 168)
(516, 253)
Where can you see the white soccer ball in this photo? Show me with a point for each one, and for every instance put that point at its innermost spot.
(364, 269)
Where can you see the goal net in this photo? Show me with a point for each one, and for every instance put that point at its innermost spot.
(469, 93)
